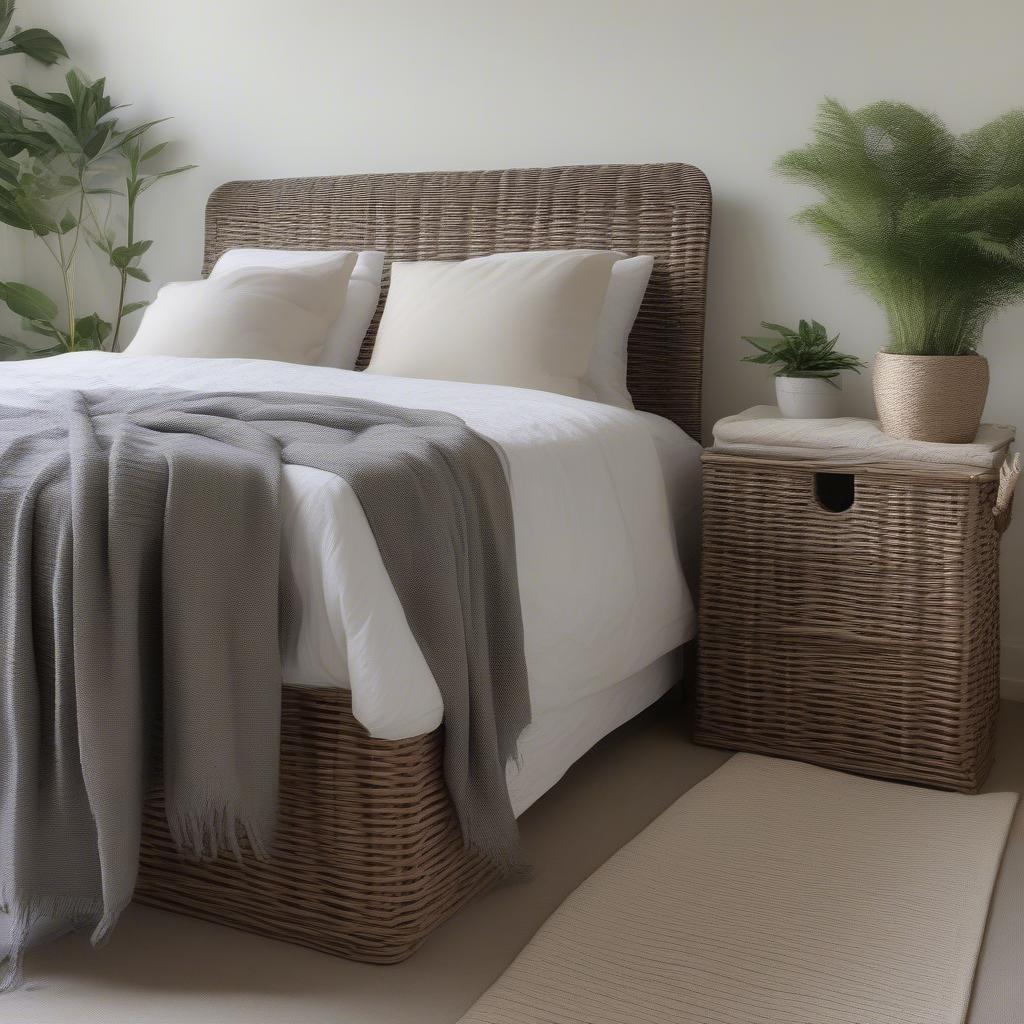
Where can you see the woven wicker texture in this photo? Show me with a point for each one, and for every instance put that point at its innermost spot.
(866, 639)
(930, 398)
(369, 859)
(662, 210)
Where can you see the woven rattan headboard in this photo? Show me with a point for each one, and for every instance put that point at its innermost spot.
(663, 210)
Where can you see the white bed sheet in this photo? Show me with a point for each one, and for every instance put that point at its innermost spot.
(603, 594)
(555, 740)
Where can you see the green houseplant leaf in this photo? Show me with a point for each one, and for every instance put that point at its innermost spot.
(91, 331)
(807, 351)
(15, 348)
(26, 301)
(38, 44)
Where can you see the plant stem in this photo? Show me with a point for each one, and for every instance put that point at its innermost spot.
(131, 196)
(69, 271)
(69, 293)
(78, 223)
(50, 249)
(120, 306)
(98, 227)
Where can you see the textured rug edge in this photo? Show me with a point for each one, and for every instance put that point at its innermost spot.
(979, 882)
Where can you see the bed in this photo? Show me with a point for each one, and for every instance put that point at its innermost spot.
(368, 857)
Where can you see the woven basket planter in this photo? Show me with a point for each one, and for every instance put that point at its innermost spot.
(930, 398)
(865, 639)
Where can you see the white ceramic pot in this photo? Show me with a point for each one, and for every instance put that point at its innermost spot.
(807, 398)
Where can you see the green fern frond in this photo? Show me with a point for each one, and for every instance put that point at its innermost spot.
(930, 225)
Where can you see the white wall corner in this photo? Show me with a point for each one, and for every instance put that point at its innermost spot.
(1011, 659)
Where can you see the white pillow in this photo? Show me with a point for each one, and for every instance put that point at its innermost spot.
(525, 319)
(606, 377)
(346, 335)
(249, 313)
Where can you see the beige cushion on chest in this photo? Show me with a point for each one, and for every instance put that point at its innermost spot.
(250, 313)
(525, 320)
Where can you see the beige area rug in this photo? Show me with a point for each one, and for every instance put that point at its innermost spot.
(773, 893)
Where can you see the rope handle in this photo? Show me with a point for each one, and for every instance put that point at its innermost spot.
(1009, 474)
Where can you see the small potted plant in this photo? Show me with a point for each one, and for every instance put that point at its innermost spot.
(807, 382)
(931, 225)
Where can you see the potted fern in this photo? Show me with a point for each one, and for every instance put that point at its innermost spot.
(807, 379)
(931, 225)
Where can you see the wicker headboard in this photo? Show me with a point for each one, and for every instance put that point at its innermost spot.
(663, 210)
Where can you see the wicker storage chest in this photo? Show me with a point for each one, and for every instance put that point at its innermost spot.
(850, 616)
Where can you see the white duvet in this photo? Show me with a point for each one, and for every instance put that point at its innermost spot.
(602, 591)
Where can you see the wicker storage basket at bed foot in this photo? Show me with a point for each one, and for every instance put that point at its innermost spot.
(368, 857)
(865, 638)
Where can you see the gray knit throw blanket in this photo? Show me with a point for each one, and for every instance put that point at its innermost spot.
(140, 595)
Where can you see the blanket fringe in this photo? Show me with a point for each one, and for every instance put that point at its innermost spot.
(25, 913)
(203, 832)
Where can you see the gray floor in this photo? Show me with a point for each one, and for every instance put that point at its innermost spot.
(163, 969)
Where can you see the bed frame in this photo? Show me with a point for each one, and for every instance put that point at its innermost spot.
(368, 857)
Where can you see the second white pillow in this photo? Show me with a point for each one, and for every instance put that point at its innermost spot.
(606, 376)
(525, 319)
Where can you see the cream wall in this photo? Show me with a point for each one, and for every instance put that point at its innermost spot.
(261, 88)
